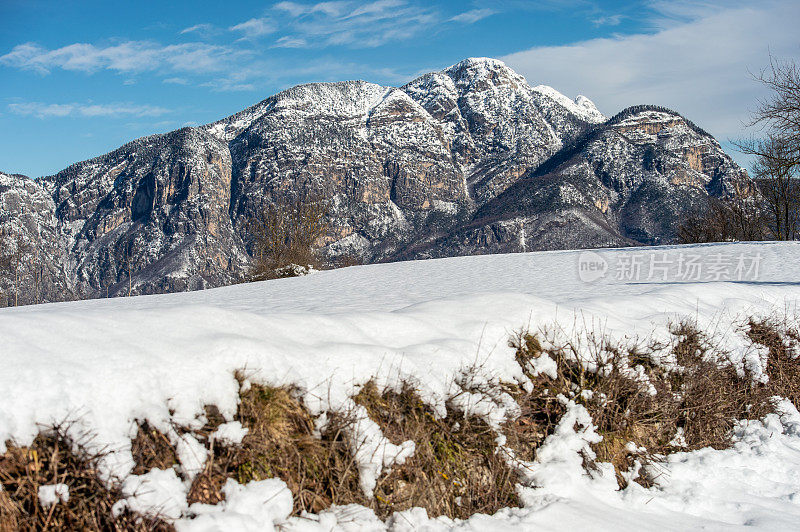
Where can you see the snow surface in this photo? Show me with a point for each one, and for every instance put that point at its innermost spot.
(106, 364)
(157, 493)
(50, 494)
(231, 433)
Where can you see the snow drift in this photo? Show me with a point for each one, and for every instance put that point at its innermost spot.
(103, 365)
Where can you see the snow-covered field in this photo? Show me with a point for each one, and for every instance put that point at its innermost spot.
(104, 364)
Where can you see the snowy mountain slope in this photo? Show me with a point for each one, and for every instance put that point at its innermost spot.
(499, 125)
(106, 363)
(626, 181)
(451, 163)
(30, 234)
(157, 206)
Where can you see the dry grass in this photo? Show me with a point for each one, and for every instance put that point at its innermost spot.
(455, 470)
(712, 395)
(50, 460)
(620, 407)
(783, 367)
(151, 449)
(703, 397)
(282, 442)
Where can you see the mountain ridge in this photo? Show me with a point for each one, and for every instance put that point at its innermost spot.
(470, 159)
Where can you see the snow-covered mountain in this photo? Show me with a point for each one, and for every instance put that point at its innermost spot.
(468, 160)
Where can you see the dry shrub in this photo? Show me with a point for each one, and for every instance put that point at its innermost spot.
(151, 449)
(51, 460)
(347, 260)
(286, 232)
(455, 470)
(10, 514)
(713, 396)
(783, 367)
(621, 408)
(704, 397)
(282, 442)
(736, 218)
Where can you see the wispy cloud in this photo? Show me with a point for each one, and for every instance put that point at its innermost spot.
(256, 27)
(176, 81)
(283, 74)
(228, 85)
(698, 64)
(89, 110)
(290, 42)
(346, 23)
(128, 56)
(332, 9)
(669, 13)
(608, 20)
(197, 28)
(286, 24)
(474, 15)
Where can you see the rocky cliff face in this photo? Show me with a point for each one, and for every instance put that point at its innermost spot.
(34, 266)
(154, 212)
(626, 181)
(468, 160)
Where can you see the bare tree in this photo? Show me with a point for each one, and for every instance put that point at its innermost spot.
(778, 182)
(777, 154)
(5, 263)
(128, 262)
(287, 232)
(780, 112)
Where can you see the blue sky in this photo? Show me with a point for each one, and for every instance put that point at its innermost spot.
(78, 79)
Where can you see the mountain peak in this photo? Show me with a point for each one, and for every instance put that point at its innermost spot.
(477, 62)
(480, 69)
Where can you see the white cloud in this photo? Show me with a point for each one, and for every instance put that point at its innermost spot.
(198, 28)
(345, 23)
(176, 81)
(697, 64)
(88, 110)
(295, 9)
(290, 42)
(473, 15)
(129, 56)
(255, 27)
(608, 20)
